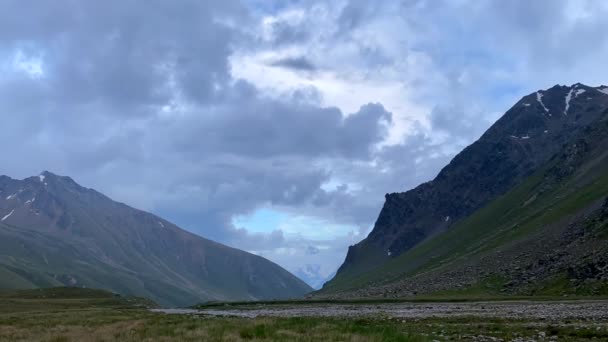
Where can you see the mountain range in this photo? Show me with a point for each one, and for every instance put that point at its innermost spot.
(523, 210)
(54, 232)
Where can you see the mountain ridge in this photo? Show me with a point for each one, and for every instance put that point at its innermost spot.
(538, 127)
(113, 246)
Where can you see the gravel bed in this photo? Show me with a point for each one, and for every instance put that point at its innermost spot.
(551, 311)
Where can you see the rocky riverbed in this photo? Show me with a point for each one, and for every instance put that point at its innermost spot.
(549, 311)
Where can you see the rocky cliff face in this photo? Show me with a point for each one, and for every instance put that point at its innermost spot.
(533, 131)
(53, 232)
(546, 236)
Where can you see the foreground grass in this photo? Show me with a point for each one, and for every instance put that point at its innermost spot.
(108, 318)
(138, 325)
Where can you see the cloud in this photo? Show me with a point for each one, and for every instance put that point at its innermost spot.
(295, 63)
(257, 127)
(356, 13)
(284, 31)
(312, 250)
(142, 106)
(206, 111)
(312, 274)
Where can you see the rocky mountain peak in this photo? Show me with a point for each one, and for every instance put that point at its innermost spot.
(49, 178)
(50, 202)
(523, 139)
(78, 237)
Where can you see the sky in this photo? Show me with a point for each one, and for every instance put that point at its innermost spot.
(276, 127)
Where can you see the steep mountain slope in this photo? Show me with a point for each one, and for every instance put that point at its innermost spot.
(53, 232)
(440, 219)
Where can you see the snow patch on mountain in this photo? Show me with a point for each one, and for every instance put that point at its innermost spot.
(9, 215)
(539, 98)
(573, 93)
(10, 197)
(568, 99)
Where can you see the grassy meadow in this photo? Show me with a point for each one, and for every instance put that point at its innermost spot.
(62, 315)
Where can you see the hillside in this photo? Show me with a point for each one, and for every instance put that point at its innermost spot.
(519, 211)
(54, 232)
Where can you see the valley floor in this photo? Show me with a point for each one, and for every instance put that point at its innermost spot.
(47, 318)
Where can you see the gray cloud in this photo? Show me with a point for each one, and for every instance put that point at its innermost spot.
(121, 55)
(257, 127)
(312, 250)
(356, 13)
(459, 121)
(286, 33)
(295, 63)
(141, 103)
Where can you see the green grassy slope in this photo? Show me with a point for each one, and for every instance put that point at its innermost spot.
(64, 299)
(30, 259)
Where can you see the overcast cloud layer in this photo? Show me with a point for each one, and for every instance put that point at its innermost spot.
(274, 126)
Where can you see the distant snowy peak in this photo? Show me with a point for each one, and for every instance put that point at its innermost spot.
(602, 89)
(313, 275)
